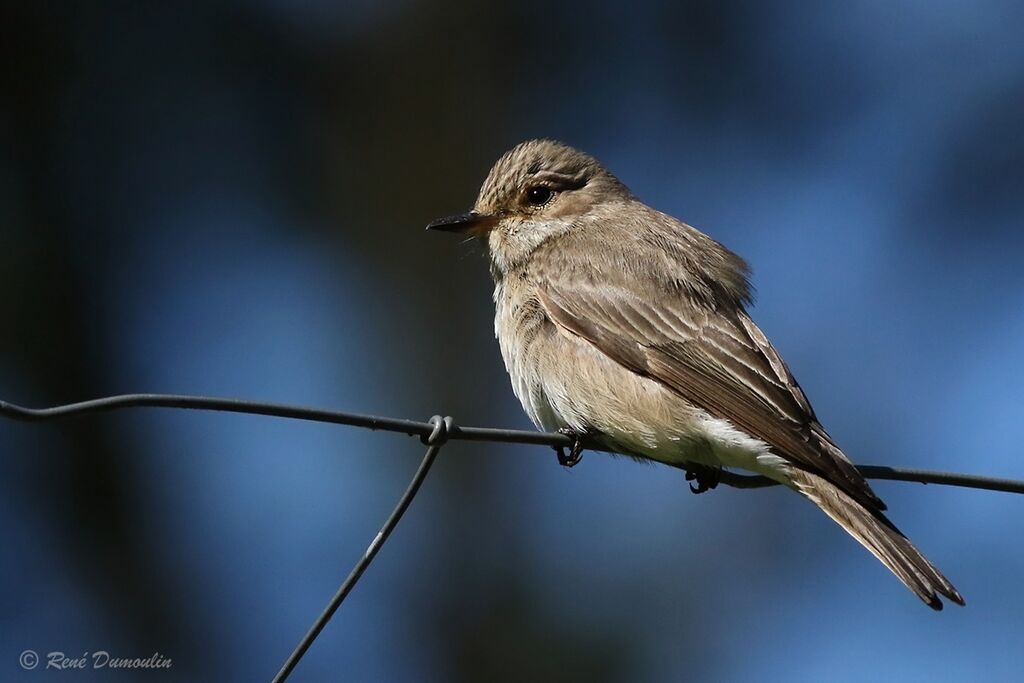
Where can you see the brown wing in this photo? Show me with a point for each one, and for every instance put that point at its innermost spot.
(716, 358)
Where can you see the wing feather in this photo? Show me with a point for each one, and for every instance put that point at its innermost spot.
(712, 355)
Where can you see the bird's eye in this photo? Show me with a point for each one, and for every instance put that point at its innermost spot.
(538, 195)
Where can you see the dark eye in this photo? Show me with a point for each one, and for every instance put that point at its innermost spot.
(538, 195)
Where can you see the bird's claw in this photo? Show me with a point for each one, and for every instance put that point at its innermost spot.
(575, 451)
(706, 477)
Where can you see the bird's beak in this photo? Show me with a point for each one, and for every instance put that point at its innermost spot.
(471, 223)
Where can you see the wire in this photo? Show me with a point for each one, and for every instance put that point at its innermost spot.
(434, 434)
(457, 433)
(437, 440)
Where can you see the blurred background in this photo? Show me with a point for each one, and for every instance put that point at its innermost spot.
(229, 199)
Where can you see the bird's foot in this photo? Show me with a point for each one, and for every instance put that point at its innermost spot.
(575, 451)
(706, 477)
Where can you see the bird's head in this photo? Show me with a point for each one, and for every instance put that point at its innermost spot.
(537, 190)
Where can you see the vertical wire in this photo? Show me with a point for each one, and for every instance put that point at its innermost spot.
(361, 565)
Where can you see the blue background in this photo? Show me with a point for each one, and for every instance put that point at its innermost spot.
(229, 200)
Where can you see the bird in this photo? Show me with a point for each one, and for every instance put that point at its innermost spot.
(624, 327)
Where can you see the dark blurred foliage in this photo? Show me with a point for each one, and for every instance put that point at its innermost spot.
(228, 198)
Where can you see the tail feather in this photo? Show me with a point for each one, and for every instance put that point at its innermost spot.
(876, 533)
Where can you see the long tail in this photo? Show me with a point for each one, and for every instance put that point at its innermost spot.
(876, 533)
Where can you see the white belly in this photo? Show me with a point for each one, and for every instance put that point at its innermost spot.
(563, 381)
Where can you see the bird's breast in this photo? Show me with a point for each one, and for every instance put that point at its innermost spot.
(520, 326)
(562, 380)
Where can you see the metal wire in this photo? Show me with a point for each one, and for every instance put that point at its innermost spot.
(435, 441)
(456, 433)
(434, 434)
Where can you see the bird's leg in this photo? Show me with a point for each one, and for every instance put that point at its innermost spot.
(575, 451)
(706, 477)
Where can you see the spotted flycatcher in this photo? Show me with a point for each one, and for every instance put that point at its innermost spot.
(626, 327)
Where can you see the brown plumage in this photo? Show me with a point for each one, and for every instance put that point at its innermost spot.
(619, 321)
